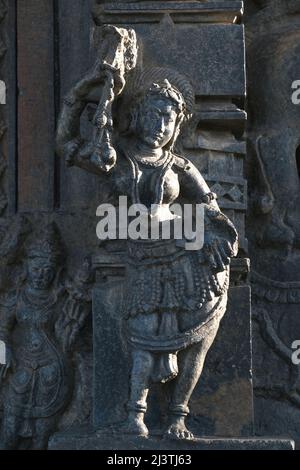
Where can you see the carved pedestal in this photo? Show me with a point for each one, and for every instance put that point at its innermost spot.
(99, 441)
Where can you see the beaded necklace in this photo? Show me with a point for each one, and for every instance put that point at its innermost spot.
(163, 164)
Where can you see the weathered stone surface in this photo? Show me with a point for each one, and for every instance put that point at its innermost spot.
(222, 11)
(100, 441)
(204, 40)
(39, 325)
(210, 55)
(111, 358)
(273, 47)
(175, 297)
(222, 401)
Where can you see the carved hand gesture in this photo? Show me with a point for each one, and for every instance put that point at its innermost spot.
(77, 306)
(217, 252)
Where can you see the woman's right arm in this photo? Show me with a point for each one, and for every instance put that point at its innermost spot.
(70, 144)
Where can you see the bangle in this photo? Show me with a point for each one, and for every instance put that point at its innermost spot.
(208, 197)
(69, 101)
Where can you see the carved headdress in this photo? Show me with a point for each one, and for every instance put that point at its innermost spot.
(166, 90)
(159, 81)
(168, 79)
(47, 245)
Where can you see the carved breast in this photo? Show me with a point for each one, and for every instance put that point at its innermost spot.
(150, 182)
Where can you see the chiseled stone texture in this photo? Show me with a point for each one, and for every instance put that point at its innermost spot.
(99, 441)
(221, 404)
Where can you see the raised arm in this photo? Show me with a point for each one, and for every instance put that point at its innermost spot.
(101, 86)
(70, 144)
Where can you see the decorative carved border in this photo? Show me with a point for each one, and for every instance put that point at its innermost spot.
(275, 291)
(152, 12)
(231, 191)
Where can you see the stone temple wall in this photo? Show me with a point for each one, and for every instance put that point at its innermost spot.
(242, 61)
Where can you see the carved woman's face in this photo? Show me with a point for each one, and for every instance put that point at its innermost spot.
(156, 122)
(40, 273)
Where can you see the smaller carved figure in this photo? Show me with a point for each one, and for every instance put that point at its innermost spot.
(40, 321)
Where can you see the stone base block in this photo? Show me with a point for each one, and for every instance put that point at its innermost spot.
(103, 441)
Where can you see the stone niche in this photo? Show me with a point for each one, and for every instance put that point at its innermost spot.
(204, 41)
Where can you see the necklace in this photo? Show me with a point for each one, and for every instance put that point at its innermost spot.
(38, 301)
(151, 162)
(164, 164)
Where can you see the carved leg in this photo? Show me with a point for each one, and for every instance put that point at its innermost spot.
(142, 366)
(44, 427)
(190, 363)
(10, 432)
(139, 388)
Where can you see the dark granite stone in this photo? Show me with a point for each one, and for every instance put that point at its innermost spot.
(222, 401)
(203, 40)
(216, 70)
(99, 441)
(111, 365)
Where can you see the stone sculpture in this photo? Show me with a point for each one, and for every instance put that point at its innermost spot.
(175, 297)
(40, 322)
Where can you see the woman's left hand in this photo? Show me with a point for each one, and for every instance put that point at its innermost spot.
(217, 252)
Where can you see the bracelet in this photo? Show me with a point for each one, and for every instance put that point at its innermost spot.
(208, 197)
(68, 101)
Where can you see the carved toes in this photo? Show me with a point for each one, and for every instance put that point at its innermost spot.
(178, 432)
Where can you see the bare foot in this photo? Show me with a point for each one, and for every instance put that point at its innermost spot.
(178, 430)
(134, 424)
